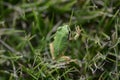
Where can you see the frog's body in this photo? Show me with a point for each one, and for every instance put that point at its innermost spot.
(61, 39)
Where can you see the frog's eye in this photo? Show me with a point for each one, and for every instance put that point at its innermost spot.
(59, 28)
(69, 35)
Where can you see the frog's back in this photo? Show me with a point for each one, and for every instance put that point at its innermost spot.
(61, 40)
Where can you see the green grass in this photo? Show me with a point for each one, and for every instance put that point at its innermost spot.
(26, 29)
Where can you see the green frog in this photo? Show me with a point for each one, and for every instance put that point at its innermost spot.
(61, 40)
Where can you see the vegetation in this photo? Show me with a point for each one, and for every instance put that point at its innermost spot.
(27, 28)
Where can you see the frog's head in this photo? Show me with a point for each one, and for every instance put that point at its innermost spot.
(65, 30)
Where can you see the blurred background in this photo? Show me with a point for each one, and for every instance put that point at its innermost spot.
(26, 29)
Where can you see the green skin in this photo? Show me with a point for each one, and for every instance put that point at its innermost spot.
(61, 40)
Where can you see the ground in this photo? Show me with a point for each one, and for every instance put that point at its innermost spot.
(27, 28)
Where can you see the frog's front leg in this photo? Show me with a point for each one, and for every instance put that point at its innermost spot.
(77, 32)
(75, 35)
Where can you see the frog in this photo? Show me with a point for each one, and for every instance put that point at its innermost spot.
(61, 39)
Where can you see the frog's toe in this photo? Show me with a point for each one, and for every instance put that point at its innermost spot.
(66, 58)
